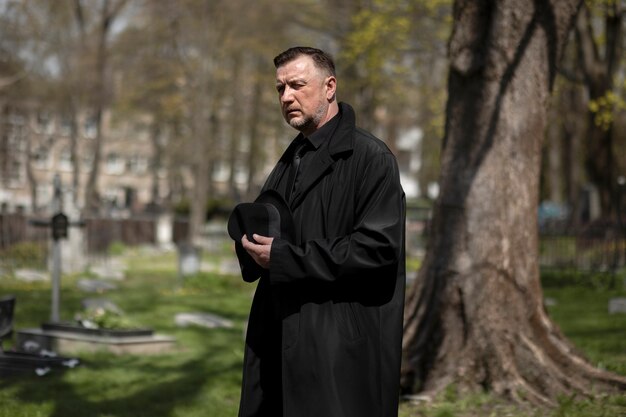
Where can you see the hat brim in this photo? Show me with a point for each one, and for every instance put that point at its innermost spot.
(269, 215)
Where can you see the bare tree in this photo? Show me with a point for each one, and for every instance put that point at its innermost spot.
(475, 315)
(109, 10)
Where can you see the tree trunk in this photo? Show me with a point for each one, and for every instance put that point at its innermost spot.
(599, 73)
(28, 162)
(92, 194)
(475, 315)
(572, 141)
(255, 152)
(553, 153)
(108, 13)
(74, 154)
(156, 162)
(236, 126)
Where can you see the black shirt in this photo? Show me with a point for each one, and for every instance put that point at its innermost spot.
(315, 140)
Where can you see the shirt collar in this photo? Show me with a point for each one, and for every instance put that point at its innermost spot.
(323, 133)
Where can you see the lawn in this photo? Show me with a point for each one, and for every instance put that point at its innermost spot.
(202, 377)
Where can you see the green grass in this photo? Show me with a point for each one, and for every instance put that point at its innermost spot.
(203, 376)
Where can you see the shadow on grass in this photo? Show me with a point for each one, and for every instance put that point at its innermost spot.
(157, 390)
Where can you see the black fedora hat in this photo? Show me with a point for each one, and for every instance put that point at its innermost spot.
(269, 215)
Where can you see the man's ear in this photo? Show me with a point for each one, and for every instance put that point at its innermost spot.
(331, 88)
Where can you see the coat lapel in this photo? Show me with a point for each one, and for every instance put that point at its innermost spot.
(321, 164)
(342, 141)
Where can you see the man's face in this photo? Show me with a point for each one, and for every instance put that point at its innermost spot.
(304, 92)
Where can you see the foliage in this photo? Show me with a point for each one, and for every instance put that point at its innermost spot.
(605, 107)
(100, 318)
(116, 248)
(395, 60)
(26, 254)
(385, 23)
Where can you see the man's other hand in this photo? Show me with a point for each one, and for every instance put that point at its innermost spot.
(259, 251)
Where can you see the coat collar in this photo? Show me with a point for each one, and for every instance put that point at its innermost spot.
(341, 142)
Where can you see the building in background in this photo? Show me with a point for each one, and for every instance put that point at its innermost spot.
(35, 145)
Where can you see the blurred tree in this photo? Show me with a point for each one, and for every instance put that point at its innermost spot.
(65, 44)
(475, 315)
(12, 74)
(149, 93)
(600, 57)
(25, 91)
(100, 20)
(562, 162)
(388, 84)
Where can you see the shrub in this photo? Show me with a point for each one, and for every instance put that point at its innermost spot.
(26, 254)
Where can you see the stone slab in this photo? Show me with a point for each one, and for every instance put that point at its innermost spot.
(95, 285)
(617, 305)
(66, 343)
(103, 303)
(210, 321)
(31, 275)
(108, 272)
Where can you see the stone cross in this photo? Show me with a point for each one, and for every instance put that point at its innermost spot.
(59, 224)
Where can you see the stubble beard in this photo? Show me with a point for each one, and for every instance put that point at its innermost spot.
(307, 122)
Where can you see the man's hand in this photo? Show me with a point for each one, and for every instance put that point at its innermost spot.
(259, 251)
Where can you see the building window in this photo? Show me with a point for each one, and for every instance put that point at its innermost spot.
(15, 173)
(221, 172)
(44, 123)
(66, 126)
(41, 158)
(44, 194)
(65, 160)
(114, 164)
(138, 164)
(88, 161)
(90, 128)
(241, 174)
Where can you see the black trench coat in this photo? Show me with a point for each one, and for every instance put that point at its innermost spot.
(325, 328)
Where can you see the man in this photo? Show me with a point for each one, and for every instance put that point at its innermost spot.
(325, 329)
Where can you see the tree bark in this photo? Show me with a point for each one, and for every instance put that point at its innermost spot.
(475, 316)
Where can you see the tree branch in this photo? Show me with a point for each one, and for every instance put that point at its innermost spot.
(587, 48)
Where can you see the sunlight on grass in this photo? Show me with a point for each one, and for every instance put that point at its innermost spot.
(202, 377)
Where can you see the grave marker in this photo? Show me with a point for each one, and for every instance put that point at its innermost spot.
(59, 224)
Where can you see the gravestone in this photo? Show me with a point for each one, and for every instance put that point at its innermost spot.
(188, 260)
(210, 321)
(549, 302)
(95, 285)
(31, 275)
(617, 305)
(66, 340)
(73, 245)
(101, 303)
(108, 272)
(229, 266)
(164, 231)
(59, 224)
